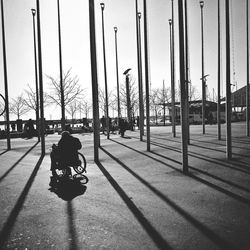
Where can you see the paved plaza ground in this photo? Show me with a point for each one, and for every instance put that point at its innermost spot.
(134, 199)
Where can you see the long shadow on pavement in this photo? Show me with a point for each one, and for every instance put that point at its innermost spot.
(215, 143)
(216, 187)
(200, 146)
(243, 166)
(74, 245)
(206, 173)
(6, 231)
(152, 232)
(202, 228)
(5, 151)
(17, 162)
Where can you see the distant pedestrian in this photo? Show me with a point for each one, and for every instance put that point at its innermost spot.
(210, 118)
(138, 121)
(122, 126)
(29, 128)
(103, 123)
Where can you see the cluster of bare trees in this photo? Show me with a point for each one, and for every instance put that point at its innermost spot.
(73, 97)
(77, 105)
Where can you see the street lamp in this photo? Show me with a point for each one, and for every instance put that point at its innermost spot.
(202, 70)
(141, 106)
(146, 59)
(94, 78)
(173, 72)
(105, 72)
(117, 75)
(5, 80)
(139, 69)
(219, 70)
(60, 66)
(40, 68)
(126, 73)
(33, 11)
(247, 87)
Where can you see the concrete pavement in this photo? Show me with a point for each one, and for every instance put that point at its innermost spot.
(134, 199)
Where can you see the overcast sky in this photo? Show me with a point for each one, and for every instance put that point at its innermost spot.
(120, 13)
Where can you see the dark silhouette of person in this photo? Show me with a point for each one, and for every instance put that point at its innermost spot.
(210, 118)
(103, 122)
(122, 126)
(30, 130)
(138, 121)
(66, 153)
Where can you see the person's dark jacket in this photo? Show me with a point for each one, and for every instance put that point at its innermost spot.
(68, 147)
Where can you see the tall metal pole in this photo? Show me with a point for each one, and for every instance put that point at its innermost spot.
(105, 72)
(218, 88)
(33, 11)
(141, 120)
(128, 101)
(187, 69)
(228, 83)
(146, 73)
(39, 47)
(117, 75)
(202, 71)
(247, 88)
(96, 121)
(139, 66)
(183, 90)
(164, 106)
(5, 81)
(173, 75)
(60, 66)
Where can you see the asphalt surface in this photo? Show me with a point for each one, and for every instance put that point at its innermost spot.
(134, 199)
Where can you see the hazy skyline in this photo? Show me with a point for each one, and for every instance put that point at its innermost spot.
(120, 13)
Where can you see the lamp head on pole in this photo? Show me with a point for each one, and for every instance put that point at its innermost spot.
(170, 21)
(201, 4)
(33, 12)
(115, 29)
(126, 71)
(102, 5)
(139, 14)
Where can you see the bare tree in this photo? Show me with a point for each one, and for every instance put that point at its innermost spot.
(102, 97)
(159, 98)
(72, 109)
(194, 93)
(71, 87)
(86, 107)
(114, 104)
(154, 101)
(30, 98)
(18, 106)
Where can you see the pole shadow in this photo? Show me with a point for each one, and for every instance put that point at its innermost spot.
(207, 174)
(216, 239)
(17, 162)
(5, 151)
(243, 167)
(74, 245)
(160, 242)
(205, 182)
(9, 224)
